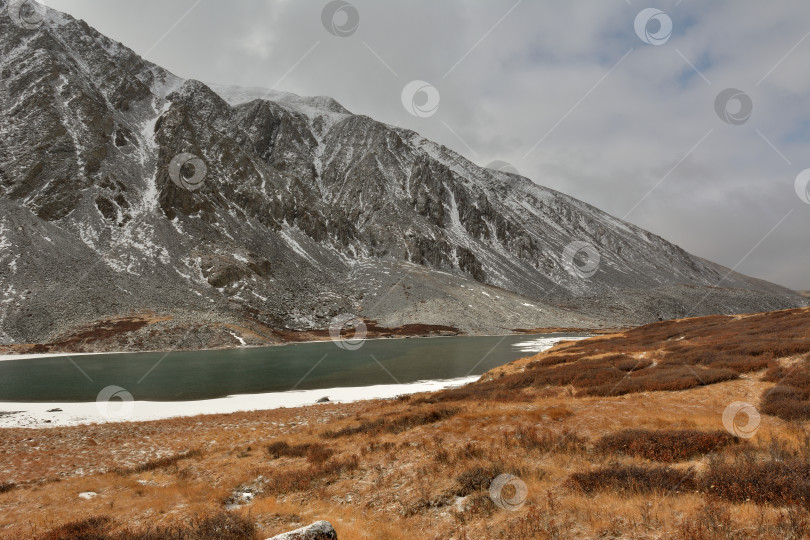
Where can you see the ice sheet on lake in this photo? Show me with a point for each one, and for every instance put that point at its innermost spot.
(543, 344)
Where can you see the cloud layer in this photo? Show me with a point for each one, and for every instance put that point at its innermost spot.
(566, 92)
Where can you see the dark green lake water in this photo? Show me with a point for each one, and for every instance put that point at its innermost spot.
(182, 376)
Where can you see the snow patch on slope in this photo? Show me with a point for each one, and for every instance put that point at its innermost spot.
(286, 234)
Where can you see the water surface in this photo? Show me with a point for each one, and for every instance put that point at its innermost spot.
(195, 375)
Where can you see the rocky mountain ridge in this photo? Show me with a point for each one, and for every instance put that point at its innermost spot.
(227, 213)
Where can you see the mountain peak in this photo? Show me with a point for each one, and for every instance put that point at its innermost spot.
(237, 95)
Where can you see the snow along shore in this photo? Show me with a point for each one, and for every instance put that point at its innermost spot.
(39, 415)
(72, 414)
(29, 356)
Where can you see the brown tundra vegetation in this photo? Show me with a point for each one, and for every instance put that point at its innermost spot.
(620, 435)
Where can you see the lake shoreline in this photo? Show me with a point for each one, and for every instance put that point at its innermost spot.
(42, 414)
(10, 356)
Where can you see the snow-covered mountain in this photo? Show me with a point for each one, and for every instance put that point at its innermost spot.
(127, 190)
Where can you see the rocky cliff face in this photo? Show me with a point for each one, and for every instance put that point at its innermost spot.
(126, 189)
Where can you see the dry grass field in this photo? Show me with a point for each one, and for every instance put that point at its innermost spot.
(618, 436)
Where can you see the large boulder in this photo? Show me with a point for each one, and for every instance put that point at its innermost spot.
(320, 530)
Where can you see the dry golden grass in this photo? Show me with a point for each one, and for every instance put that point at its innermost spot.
(411, 468)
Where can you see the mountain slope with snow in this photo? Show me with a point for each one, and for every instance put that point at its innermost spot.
(305, 211)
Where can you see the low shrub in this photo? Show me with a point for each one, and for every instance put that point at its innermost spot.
(632, 364)
(376, 446)
(160, 463)
(291, 480)
(220, 526)
(538, 523)
(475, 479)
(774, 482)
(395, 425)
(664, 445)
(665, 356)
(555, 359)
(472, 483)
(634, 479)
(790, 398)
(479, 505)
(662, 378)
(490, 390)
(5, 487)
(91, 528)
(469, 451)
(712, 520)
(785, 450)
(314, 452)
(531, 438)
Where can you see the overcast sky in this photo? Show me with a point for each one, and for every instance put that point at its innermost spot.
(574, 95)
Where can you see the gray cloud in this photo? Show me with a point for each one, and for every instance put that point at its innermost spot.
(547, 72)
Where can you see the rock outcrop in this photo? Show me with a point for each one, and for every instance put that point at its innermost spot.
(320, 530)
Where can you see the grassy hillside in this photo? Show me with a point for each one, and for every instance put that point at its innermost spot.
(618, 435)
